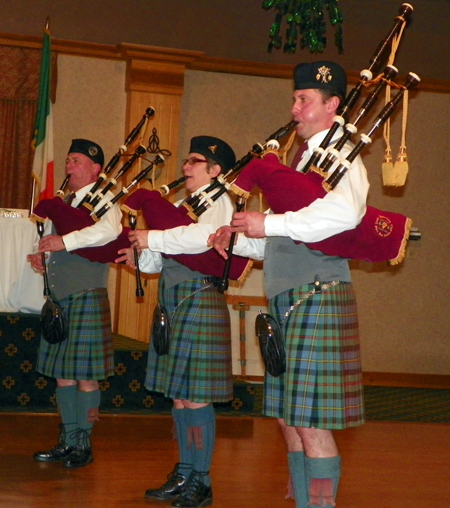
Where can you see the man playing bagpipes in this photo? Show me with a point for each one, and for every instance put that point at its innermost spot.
(312, 298)
(80, 286)
(192, 362)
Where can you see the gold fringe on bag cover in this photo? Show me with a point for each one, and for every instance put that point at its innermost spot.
(239, 192)
(238, 283)
(404, 244)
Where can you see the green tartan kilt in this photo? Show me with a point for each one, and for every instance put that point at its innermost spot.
(322, 386)
(198, 366)
(87, 354)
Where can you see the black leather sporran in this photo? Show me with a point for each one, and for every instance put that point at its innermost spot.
(53, 322)
(161, 331)
(271, 344)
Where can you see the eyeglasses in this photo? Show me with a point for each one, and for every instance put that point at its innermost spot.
(192, 160)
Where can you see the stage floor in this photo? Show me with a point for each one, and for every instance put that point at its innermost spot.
(385, 464)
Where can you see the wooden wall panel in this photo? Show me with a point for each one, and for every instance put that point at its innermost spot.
(156, 79)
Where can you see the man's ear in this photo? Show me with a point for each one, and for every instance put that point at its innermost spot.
(333, 103)
(96, 168)
(215, 170)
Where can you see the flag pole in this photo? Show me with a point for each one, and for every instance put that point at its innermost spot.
(42, 143)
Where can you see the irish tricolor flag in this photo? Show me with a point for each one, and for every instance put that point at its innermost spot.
(43, 162)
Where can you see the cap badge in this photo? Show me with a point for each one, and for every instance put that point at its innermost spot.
(212, 148)
(324, 74)
(93, 150)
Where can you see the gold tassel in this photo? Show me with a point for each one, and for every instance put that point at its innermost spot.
(387, 168)
(394, 174)
(401, 167)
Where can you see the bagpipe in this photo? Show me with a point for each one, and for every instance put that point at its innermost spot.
(380, 236)
(67, 219)
(161, 214)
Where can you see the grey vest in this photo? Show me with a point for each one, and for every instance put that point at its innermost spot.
(174, 273)
(69, 273)
(288, 265)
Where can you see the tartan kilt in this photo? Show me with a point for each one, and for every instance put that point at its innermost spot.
(322, 386)
(87, 354)
(198, 366)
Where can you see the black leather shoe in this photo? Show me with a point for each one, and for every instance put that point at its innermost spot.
(56, 454)
(81, 456)
(195, 494)
(171, 489)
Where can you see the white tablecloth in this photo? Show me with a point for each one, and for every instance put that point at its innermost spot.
(21, 289)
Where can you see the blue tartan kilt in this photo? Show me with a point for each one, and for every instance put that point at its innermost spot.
(322, 386)
(88, 353)
(198, 366)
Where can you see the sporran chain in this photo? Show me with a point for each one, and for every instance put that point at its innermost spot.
(306, 296)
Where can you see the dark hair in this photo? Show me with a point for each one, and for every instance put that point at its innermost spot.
(212, 162)
(328, 94)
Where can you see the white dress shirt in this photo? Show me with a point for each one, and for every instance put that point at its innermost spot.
(100, 233)
(191, 239)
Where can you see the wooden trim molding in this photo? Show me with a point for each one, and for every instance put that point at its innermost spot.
(387, 379)
(195, 60)
(252, 301)
(406, 380)
(156, 70)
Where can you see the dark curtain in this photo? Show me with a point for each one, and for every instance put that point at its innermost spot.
(19, 91)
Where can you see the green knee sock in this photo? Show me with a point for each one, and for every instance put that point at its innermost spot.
(184, 450)
(66, 401)
(88, 405)
(296, 462)
(202, 429)
(322, 476)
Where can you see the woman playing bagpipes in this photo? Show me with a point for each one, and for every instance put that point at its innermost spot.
(190, 351)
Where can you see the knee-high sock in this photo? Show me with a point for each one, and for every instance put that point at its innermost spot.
(322, 476)
(88, 406)
(184, 450)
(202, 433)
(66, 401)
(296, 462)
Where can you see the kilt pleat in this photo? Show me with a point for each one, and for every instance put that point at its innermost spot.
(198, 366)
(87, 353)
(322, 385)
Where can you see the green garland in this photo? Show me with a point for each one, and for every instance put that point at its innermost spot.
(305, 18)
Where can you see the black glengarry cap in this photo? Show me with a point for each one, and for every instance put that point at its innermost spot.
(324, 75)
(215, 149)
(88, 148)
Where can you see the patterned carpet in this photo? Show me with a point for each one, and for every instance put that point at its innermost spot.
(385, 403)
(25, 390)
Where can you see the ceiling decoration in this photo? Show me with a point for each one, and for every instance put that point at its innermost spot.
(306, 24)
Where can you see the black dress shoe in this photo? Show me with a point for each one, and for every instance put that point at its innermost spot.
(171, 489)
(195, 494)
(56, 454)
(81, 456)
